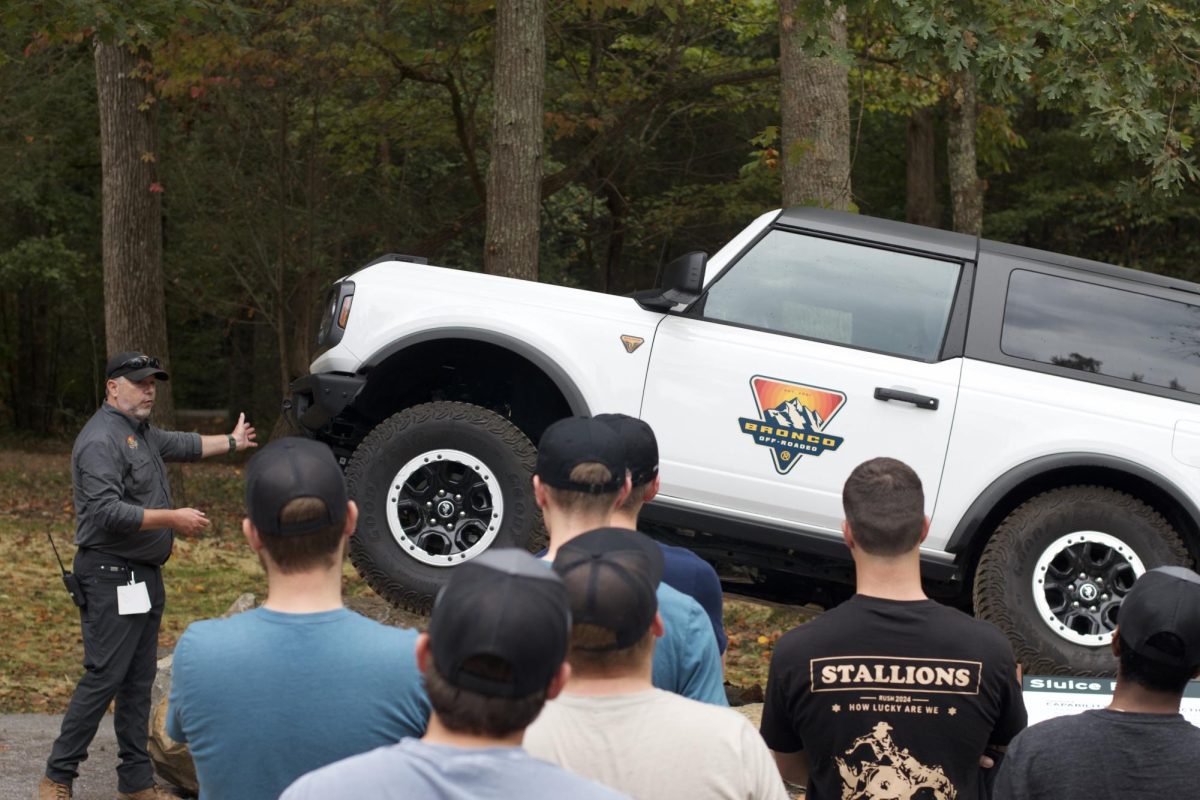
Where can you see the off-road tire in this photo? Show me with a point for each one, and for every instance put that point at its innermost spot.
(1003, 591)
(397, 577)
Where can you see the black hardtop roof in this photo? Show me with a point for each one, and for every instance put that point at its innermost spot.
(949, 244)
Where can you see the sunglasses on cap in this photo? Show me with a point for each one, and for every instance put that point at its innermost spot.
(141, 362)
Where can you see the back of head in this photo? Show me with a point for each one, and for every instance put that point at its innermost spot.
(581, 463)
(1158, 625)
(641, 452)
(296, 499)
(611, 577)
(885, 507)
(498, 634)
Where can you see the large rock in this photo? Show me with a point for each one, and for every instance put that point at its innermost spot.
(172, 761)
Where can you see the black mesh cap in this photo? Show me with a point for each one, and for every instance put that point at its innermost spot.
(579, 440)
(134, 366)
(612, 578)
(1164, 600)
(638, 442)
(287, 469)
(508, 605)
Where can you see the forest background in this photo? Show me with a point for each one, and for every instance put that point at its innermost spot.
(284, 143)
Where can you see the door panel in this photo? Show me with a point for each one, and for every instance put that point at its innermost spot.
(766, 422)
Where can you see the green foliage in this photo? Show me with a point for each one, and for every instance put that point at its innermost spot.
(302, 138)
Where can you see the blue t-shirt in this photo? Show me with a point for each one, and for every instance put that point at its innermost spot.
(695, 577)
(263, 697)
(415, 770)
(686, 660)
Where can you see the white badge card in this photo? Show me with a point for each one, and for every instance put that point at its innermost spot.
(132, 598)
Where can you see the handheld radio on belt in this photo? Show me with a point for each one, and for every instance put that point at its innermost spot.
(69, 579)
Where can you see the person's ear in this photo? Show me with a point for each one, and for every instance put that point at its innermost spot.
(847, 535)
(657, 627)
(1116, 647)
(251, 534)
(559, 681)
(652, 489)
(351, 518)
(623, 492)
(540, 495)
(423, 653)
(924, 531)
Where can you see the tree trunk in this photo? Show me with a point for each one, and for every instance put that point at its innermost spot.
(815, 109)
(135, 316)
(966, 190)
(514, 178)
(921, 205)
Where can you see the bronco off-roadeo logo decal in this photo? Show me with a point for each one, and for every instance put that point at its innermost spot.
(792, 419)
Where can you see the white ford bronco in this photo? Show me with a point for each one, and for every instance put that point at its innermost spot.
(1051, 406)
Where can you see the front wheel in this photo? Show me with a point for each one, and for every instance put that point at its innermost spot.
(1053, 575)
(436, 485)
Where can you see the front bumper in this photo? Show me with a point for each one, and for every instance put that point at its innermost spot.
(318, 400)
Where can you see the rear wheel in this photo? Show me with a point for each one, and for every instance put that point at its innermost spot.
(1055, 572)
(436, 485)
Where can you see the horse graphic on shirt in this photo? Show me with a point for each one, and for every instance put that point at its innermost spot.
(895, 774)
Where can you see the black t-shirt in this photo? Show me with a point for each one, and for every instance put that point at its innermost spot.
(892, 699)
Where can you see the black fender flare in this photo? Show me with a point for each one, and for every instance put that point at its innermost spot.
(970, 527)
(556, 373)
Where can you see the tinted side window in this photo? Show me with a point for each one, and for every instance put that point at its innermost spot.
(1102, 330)
(838, 292)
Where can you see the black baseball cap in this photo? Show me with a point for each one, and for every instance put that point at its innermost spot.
(135, 367)
(506, 604)
(612, 578)
(579, 440)
(1164, 600)
(287, 469)
(638, 442)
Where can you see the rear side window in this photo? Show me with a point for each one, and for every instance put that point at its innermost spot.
(1102, 330)
(838, 292)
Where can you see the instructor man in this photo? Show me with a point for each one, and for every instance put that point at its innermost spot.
(124, 530)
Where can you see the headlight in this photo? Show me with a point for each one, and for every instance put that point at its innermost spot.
(335, 314)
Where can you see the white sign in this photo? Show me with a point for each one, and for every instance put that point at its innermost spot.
(1049, 696)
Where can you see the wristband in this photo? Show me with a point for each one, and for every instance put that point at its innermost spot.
(232, 442)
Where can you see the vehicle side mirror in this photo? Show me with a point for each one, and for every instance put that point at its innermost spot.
(683, 282)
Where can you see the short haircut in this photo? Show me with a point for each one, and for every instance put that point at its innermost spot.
(884, 506)
(465, 711)
(587, 662)
(304, 551)
(637, 498)
(1151, 674)
(572, 502)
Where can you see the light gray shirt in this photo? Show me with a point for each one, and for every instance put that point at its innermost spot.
(416, 770)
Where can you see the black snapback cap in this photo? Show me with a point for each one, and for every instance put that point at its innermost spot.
(579, 440)
(638, 442)
(612, 577)
(1164, 600)
(508, 605)
(287, 469)
(134, 366)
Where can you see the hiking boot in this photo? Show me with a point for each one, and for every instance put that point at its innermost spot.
(152, 793)
(50, 790)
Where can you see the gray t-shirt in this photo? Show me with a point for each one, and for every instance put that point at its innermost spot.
(416, 770)
(1102, 755)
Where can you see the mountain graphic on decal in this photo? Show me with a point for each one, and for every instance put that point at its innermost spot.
(791, 420)
(793, 415)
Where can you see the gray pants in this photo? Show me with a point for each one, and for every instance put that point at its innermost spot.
(120, 657)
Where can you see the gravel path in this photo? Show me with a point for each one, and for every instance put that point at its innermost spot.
(25, 741)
